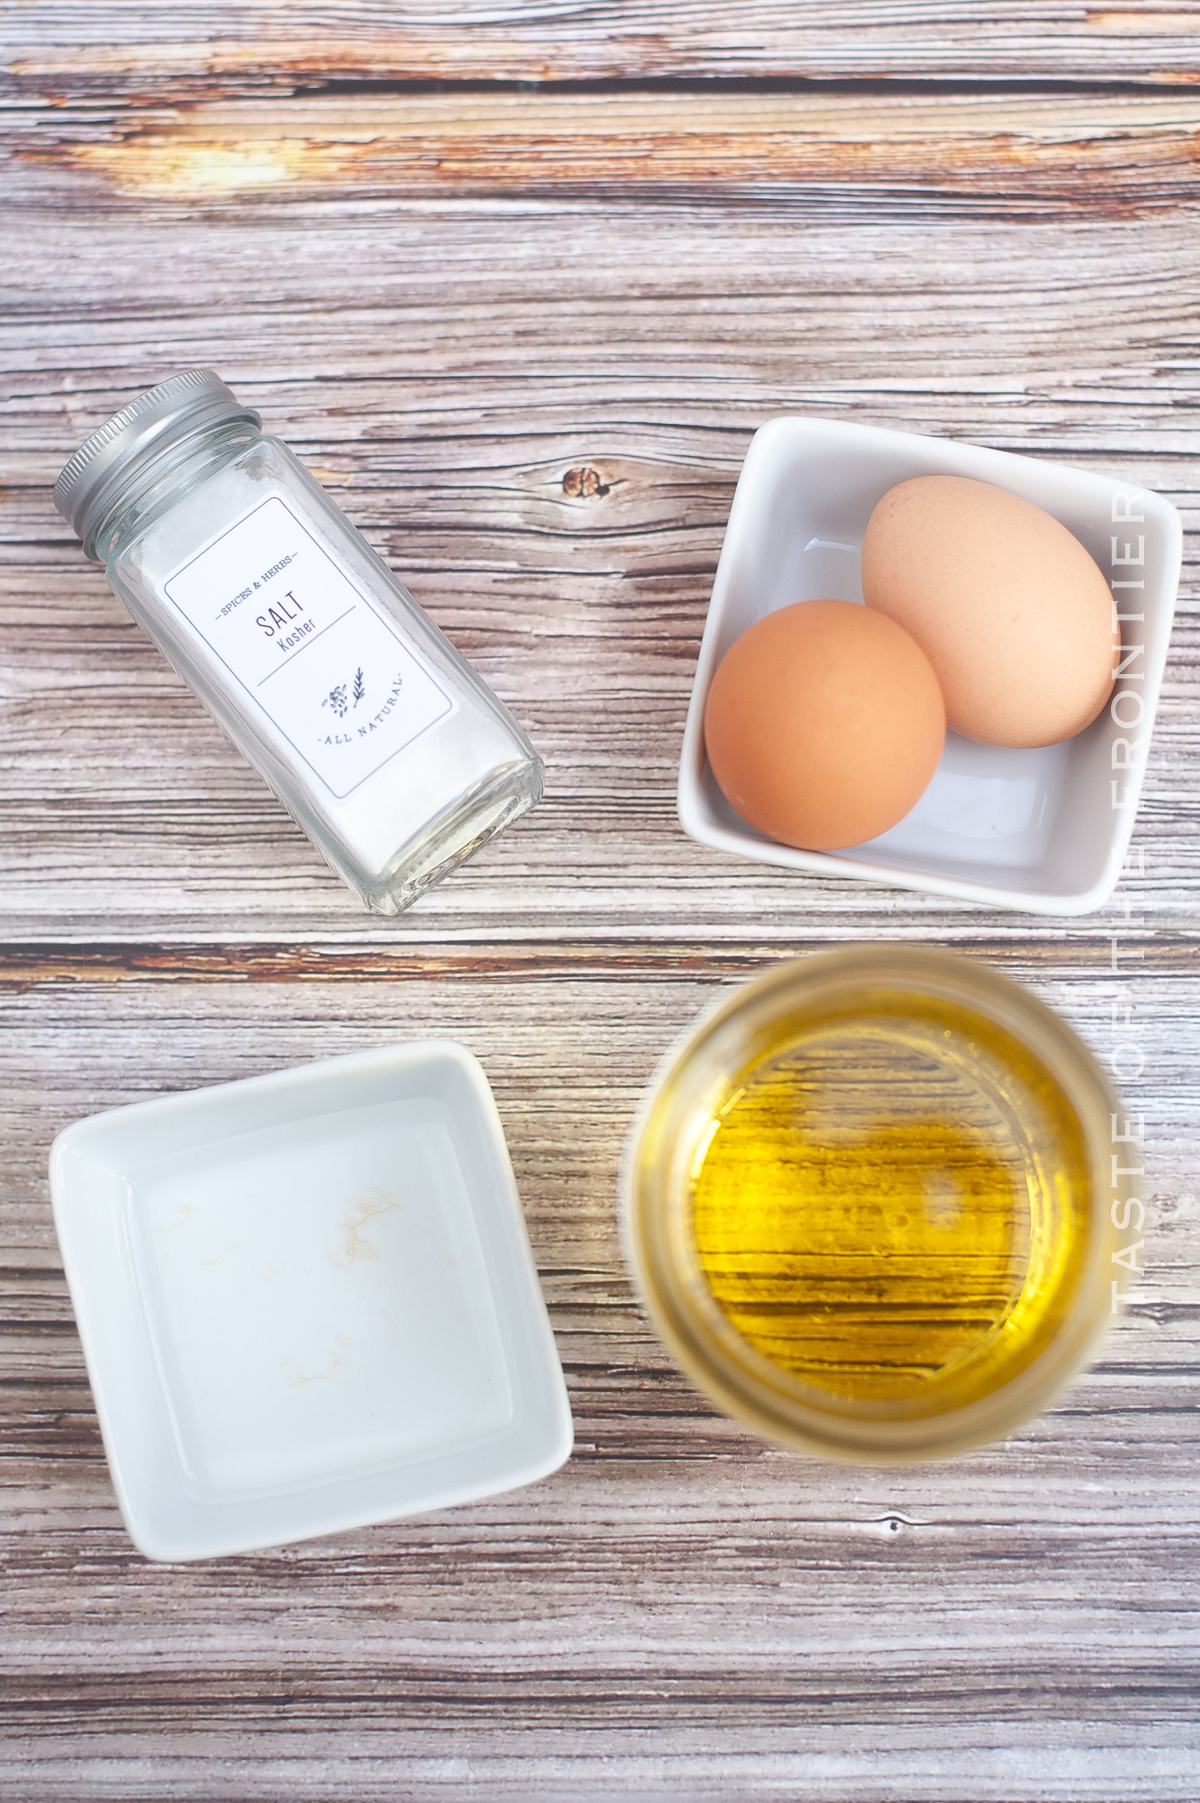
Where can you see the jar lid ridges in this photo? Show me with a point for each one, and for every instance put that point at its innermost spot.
(92, 480)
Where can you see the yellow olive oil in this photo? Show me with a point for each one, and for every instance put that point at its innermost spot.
(890, 1205)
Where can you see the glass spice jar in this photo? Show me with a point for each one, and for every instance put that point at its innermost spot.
(382, 743)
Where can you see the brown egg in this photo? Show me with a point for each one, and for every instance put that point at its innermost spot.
(1012, 612)
(823, 725)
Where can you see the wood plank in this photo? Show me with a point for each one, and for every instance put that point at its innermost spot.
(1083, 1759)
(524, 337)
(1159, 951)
(202, 46)
(1019, 156)
(445, 372)
(681, 1610)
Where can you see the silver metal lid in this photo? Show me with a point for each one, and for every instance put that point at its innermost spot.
(135, 438)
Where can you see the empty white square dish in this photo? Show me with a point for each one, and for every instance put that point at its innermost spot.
(1044, 830)
(308, 1301)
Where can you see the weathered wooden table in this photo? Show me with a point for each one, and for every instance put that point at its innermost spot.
(519, 286)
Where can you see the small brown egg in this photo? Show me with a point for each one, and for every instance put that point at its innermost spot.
(1010, 609)
(823, 725)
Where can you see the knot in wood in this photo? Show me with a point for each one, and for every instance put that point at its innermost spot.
(584, 482)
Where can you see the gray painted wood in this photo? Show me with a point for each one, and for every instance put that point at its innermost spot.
(681, 1612)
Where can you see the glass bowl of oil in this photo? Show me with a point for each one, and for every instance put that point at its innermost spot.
(868, 1203)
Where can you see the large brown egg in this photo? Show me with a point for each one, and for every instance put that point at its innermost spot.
(823, 725)
(1012, 612)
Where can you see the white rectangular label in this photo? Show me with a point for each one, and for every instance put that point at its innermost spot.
(333, 675)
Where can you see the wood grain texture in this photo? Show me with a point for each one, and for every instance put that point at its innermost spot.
(524, 337)
(1112, 155)
(446, 389)
(680, 1611)
(206, 46)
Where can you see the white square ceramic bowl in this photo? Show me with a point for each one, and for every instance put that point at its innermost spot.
(308, 1301)
(1046, 830)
